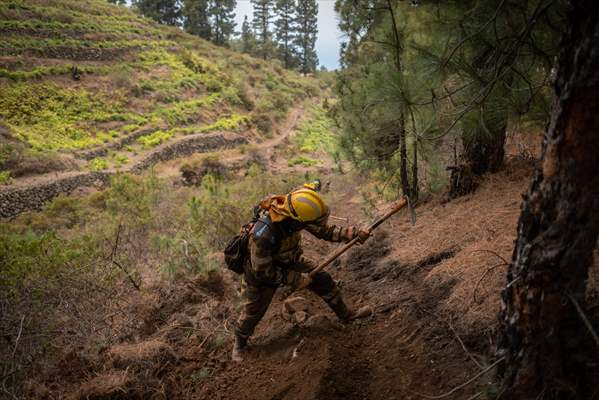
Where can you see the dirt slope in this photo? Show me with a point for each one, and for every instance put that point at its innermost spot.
(430, 332)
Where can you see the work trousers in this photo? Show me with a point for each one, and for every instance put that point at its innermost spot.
(258, 298)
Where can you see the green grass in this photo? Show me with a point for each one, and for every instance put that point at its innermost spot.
(5, 177)
(98, 164)
(50, 117)
(185, 112)
(301, 160)
(316, 133)
(231, 123)
(156, 138)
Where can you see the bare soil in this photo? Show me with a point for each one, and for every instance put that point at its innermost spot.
(434, 288)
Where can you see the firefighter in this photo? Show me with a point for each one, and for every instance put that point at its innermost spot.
(276, 258)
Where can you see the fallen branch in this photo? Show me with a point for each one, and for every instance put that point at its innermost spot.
(14, 351)
(463, 385)
(584, 318)
(463, 345)
(483, 277)
(448, 322)
(491, 252)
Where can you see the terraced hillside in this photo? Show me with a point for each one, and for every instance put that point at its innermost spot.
(89, 86)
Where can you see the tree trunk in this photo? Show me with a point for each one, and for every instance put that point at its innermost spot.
(403, 155)
(483, 152)
(414, 194)
(542, 337)
(484, 148)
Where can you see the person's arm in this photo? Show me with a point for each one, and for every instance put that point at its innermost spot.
(333, 233)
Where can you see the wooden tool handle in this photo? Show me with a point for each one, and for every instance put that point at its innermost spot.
(400, 204)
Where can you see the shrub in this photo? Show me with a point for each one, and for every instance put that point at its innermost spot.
(5, 177)
(301, 160)
(156, 138)
(98, 164)
(263, 122)
(230, 123)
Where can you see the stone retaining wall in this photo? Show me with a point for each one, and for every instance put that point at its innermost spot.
(17, 200)
(119, 144)
(189, 146)
(14, 201)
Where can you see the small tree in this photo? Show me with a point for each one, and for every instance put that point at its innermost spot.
(285, 31)
(163, 11)
(223, 24)
(197, 20)
(248, 40)
(263, 14)
(307, 30)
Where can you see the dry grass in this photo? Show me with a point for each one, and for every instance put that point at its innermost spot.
(133, 354)
(106, 385)
(482, 227)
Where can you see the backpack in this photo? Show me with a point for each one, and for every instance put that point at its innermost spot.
(236, 250)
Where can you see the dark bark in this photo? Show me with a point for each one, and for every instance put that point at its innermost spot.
(414, 194)
(546, 346)
(483, 153)
(403, 156)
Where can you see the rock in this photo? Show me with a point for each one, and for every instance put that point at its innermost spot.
(295, 304)
(300, 317)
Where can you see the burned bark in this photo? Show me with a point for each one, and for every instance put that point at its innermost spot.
(483, 152)
(542, 337)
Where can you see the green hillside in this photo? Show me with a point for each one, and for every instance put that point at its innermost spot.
(81, 74)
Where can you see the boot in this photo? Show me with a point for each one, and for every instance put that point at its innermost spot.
(239, 348)
(362, 312)
(344, 313)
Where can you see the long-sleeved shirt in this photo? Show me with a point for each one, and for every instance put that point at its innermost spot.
(273, 252)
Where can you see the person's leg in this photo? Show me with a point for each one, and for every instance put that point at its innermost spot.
(324, 286)
(257, 300)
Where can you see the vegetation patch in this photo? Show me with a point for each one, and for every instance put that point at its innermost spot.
(301, 160)
(186, 112)
(98, 164)
(316, 133)
(231, 123)
(5, 178)
(156, 138)
(51, 117)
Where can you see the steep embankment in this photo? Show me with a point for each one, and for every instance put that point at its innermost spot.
(434, 287)
(86, 86)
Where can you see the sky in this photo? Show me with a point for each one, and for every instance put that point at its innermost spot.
(329, 36)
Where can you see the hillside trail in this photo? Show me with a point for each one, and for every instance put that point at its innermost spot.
(229, 156)
(266, 148)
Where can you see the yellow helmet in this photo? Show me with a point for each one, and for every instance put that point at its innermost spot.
(306, 205)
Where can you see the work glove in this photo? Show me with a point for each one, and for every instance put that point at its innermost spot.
(304, 280)
(361, 234)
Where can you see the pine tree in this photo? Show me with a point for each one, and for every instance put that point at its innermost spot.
(285, 31)
(306, 22)
(163, 11)
(223, 24)
(263, 14)
(196, 17)
(248, 40)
